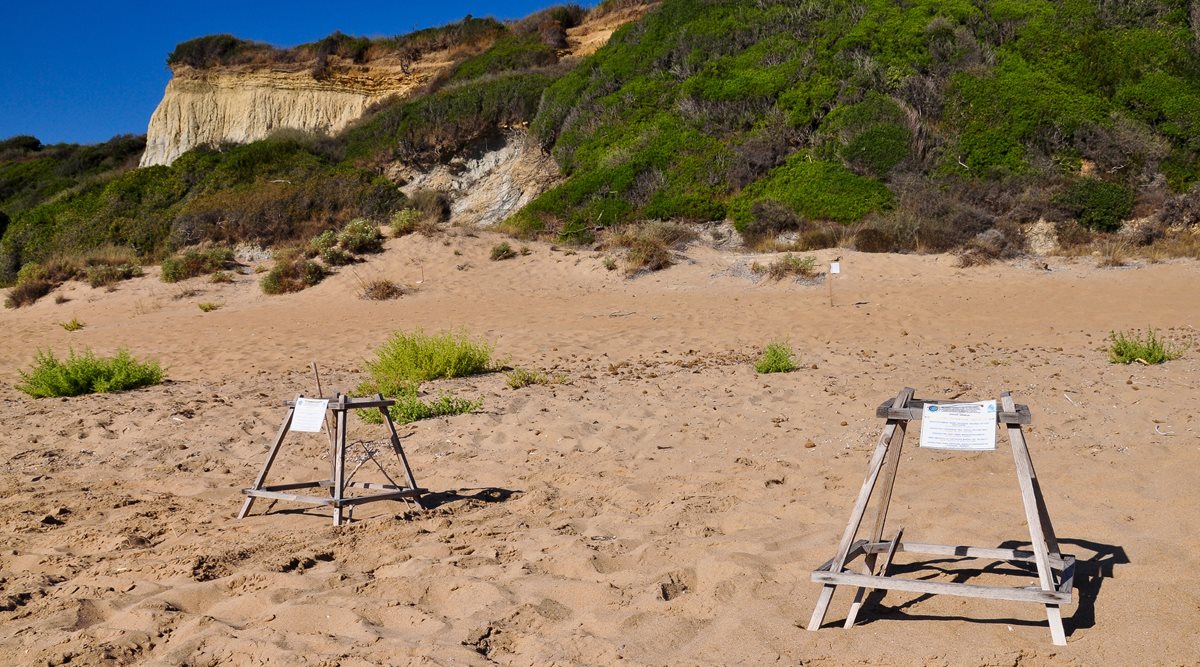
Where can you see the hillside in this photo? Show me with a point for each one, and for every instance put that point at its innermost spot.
(924, 127)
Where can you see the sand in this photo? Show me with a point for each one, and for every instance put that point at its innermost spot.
(664, 505)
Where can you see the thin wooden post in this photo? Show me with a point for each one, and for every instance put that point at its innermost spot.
(399, 448)
(274, 450)
(896, 448)
(1033, 516)
(339, 461)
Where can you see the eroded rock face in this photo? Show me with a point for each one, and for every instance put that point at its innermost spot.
(489, 184)
(242, 105)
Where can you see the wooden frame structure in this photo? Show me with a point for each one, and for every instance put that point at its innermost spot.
(337, 483)
(1056, 571)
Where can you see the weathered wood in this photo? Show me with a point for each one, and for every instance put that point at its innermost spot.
(942, 588)
(913, 411)
(391, 495)
(279, 495)
(856, 550)
(337, 483)
(891, 464)
(262, 475)
(1057, 563)
(351, 403)
(1033, 517)
(891, 553)
(860, 506)
(292, 485)
(398, 447)
(1055, 571)
(339, 464)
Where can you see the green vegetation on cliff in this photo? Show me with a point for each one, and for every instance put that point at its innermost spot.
(943, 116)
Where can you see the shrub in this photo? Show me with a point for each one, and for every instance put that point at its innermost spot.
(292, 272)
(1099, 205)
(776, 358)
(521, 377)
(502, 251)
(410, 408)
(208, 306)
(610, 264)
(410, 220)
(381, 290)
(1002, 242)
(769, 218)
(788, 265)
(360, 236)
(408, 359)
(1127, 348)
(650, 245)
(220, 277)
(86, 374)
(27, 292)
(196, 262)
(102, 275)
(73, 325)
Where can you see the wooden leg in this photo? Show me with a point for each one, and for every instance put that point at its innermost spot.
(823, 601)
(860, 508)
(1033, 515)
(339, 467)
(885, 500)
(262, 475)
(861, 593)
(408, 473)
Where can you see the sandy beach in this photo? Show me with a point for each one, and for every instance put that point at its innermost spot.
(663, 505)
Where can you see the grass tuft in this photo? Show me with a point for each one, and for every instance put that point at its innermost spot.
(86, 374)
(788, 265)
(502, 251)
(777, 357)
(27, 292)
(73, 325)
(292, 272)
(410, 408)
(408, 359)
(1126, 348)
(208, 306)
(381, 290)
(523, 377)
(196, 262)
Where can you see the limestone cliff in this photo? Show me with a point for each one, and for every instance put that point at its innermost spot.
(240, 105)
(245, 103)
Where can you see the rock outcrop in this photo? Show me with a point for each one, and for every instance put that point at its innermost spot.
(488, 185)
(240, 105)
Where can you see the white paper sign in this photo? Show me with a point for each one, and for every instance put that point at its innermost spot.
(309, 415)
(835, 267)
(960, 426)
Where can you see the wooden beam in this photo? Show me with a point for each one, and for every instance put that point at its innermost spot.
(942, 588)
(274, 450)
(912, 412)
(966, 552)
(279, 495)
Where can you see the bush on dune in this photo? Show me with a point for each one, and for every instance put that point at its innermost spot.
(87, 373)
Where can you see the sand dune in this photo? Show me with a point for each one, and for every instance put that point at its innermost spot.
(664, 505)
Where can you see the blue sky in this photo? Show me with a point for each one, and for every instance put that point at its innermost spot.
(86, 71)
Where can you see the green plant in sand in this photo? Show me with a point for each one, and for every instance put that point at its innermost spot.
(1126, 348)
(777, 357)
(86, 373)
